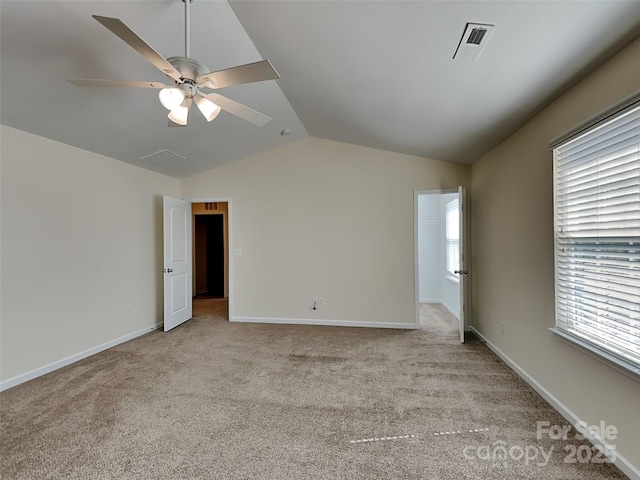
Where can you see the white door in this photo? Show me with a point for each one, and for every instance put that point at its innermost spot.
(177, 261)
(463, 272)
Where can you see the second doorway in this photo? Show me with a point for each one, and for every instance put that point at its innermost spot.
(210, 250)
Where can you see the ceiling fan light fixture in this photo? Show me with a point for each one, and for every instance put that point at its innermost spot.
(187, 76)
(209, 109)
(171, 97)
(179, 115)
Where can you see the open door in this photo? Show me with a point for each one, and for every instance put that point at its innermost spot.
(463, 271)
(177, 262)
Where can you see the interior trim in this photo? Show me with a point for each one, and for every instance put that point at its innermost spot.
(599, 354)
(321, 322)
(621, 462)
(40, 371)
(629, 102)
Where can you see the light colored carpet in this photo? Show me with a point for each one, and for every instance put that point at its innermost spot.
(220, 400)
(438, 322)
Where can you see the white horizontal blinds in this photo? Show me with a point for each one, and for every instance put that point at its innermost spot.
(452, 232)
(597, 221)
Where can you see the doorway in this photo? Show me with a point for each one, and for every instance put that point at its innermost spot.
(209, 254)
(210, 250)
(440, 275)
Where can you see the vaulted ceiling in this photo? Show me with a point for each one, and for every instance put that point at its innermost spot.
(375, 73)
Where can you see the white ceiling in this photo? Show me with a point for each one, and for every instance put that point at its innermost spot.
(372, 73)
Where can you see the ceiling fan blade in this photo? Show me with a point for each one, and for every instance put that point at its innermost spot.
(252, 72)
(239, 110)
(133, 40)
(116, 83)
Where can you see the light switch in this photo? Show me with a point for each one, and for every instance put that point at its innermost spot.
(237, 252)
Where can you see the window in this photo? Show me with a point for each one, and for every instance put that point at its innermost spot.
(452, 235)
(597, 236)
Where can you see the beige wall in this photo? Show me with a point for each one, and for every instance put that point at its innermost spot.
(81, 245)
(81, 248)
(321, 218)
(513, 275)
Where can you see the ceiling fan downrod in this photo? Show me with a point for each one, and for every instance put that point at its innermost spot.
(188, 76)
(187, 19)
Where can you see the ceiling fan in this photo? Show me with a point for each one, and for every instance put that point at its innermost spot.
(189, 78)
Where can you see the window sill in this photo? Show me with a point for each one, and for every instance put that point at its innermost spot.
(452, 278)
(600, 355)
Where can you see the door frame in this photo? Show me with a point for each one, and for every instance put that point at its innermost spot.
(230, 240)
(416, 277)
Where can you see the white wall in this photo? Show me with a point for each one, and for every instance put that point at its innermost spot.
(512, 238)
(430, 253)
(81, 248)
(322, 218)
(434, 284)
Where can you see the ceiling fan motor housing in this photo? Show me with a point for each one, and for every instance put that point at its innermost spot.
(189, 68)
(188, 76)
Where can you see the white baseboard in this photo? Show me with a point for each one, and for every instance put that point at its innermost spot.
(38, 372)
(451, 311)
(621, 462)
(440, 302)
(326, 323)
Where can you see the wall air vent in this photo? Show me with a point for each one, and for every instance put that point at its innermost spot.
(473, 41)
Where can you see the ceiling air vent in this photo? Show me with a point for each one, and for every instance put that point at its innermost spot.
(163, 158)
(476, 36)
(473, 41)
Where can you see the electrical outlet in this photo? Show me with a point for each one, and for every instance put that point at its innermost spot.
(237, 252)
(321, 301)
(137, 311)
(503, 328)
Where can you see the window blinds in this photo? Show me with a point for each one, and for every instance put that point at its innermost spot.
(597, 235)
